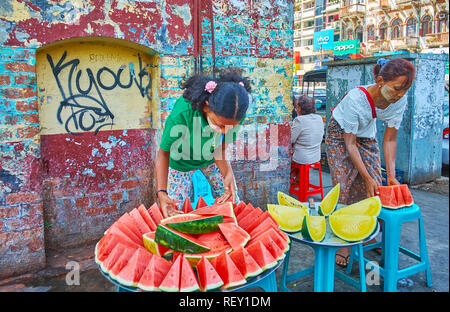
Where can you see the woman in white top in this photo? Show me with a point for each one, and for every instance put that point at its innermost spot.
(352, 149)
(306, 133)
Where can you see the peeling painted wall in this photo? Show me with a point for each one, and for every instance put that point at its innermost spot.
(63, 183)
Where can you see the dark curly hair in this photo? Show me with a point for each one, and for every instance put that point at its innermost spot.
(229, 99)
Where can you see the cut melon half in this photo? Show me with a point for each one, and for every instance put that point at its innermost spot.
(370, 207)
(329, 203)
(352, 228)
(289, 218)
(286, 200)
(314, 228)
(178, 241)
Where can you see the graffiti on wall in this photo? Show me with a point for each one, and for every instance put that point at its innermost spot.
(93, 89)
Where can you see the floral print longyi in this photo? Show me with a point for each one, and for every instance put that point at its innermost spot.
(180, 183)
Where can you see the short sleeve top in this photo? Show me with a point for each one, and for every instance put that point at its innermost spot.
(354, 114)
(188, 139)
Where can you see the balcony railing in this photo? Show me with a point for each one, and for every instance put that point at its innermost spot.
(404, 3)
(437, 39)
(353, 10)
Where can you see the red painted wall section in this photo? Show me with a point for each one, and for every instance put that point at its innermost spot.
(91, 180)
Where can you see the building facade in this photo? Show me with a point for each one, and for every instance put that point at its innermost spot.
(379, 25)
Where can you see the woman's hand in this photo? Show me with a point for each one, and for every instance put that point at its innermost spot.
(168, 205)
(391, 180)
(371, 187)
(230, 190)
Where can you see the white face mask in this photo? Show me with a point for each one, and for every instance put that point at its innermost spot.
(212, 125)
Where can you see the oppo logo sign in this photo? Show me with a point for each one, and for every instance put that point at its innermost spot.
(344, 47)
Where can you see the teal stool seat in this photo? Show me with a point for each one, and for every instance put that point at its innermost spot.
(324, 269)
(390, 244)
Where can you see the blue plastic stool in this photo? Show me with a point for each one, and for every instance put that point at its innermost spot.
(323, 270)
(391, 248)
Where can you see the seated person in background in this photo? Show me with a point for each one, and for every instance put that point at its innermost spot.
(306, 133)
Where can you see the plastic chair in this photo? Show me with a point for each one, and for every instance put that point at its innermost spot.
(304, 188)
(391, 248)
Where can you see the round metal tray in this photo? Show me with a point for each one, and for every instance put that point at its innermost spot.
(250, 282)
(331, 240)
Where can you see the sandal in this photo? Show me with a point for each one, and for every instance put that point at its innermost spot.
(345, 258)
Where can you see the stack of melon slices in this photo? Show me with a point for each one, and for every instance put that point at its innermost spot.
(217, 246)
(351, 223)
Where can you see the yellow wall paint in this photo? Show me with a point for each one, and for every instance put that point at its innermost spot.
(88, 87)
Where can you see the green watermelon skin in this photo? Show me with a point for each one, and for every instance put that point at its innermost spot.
(178, 241)
(198, 226)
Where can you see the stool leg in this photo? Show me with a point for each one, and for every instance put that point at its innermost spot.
(362, 271)
(424, 251)
(391, 243)
(270, 283)
(320, 179)
(324, 269)
(348, 270)
(302, 184)
(283, 286)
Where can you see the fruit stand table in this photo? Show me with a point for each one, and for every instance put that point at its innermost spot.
(324, 263)
(266, 280)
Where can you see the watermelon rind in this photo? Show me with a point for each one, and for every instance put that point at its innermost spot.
(206, 224)
(178, 241)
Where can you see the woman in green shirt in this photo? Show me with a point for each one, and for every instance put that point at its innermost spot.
(202, 122)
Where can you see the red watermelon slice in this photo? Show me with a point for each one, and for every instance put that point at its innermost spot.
(271, 246)
(399, 196)
(228, 272)
(407, 196)
(188, 280)
(121, 262)
(114, 255)
(132, 272)
(249, 218)
(239, 207)
(265, 225)
(208, 277)
(128, 221)
(171, 281)
(115, 229)
(187, 206)
(154, 273)
(215, 241)
(258, 221)
(147, 218)
(261, 255)
(244, 212)
(234, 234)
(200, 203)
(225, 209)
(106, 244)
(155, 213)
(273, 234)
(245, 262)
(140, 222)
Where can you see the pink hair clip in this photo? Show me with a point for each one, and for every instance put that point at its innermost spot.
(241, 83)
(210, 86)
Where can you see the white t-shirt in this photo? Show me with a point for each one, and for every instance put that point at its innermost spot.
(306, 135)
(354, 114)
